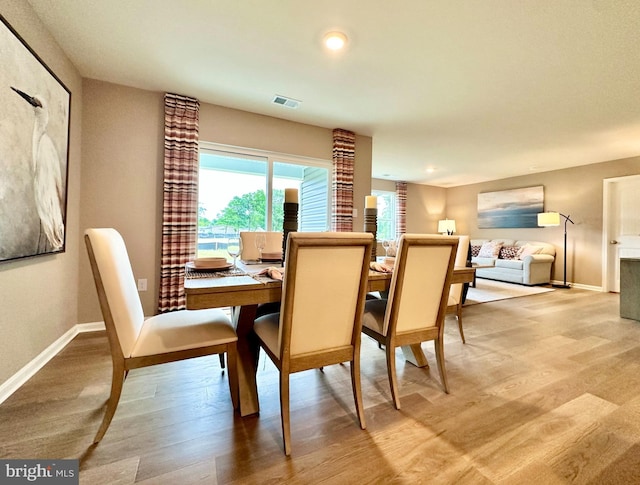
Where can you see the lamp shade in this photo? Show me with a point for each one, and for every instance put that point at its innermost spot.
(446, 226)
(548, 219)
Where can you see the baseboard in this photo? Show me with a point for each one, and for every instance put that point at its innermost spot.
(14, 382)
(579, 286)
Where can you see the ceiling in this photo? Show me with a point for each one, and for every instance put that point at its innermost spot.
(475, 90)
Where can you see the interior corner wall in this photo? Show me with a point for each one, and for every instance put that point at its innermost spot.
(39, 298)
(576, 191)
(123, 156)
(426, 205)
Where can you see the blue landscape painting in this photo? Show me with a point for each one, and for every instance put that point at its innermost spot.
(510, 208)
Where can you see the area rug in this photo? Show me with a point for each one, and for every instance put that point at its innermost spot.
(489, 290)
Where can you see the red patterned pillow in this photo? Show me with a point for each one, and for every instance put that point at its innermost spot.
(475, 250)
(509, 252)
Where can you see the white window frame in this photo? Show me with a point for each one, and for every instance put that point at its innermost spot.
(271, 158)
(394, 210)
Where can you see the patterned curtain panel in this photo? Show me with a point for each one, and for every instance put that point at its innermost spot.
(344, 149)
(179, 219)
(401, 202)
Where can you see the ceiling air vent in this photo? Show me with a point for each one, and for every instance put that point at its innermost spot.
(287, 102)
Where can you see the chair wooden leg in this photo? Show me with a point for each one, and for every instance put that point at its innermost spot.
(459, 316)
(284, 412)
(391, 370)
(439, 345)
(357, 390)
(232, 374)
(221, 356)
(117, 381)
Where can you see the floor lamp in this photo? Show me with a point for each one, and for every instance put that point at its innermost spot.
(553, 219)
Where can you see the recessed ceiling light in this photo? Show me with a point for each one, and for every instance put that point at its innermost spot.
(430, 170)
(335, 40)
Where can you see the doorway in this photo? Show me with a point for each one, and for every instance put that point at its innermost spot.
(621, 227)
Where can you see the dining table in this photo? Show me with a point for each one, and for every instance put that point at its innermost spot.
(243, 289)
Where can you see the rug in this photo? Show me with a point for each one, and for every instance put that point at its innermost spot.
(489, 290)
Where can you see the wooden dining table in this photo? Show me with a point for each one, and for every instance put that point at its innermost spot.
(244, 292)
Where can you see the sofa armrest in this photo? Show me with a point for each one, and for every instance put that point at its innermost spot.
(537, 269)
(538, 258)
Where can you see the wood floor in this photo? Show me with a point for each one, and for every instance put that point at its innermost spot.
(546, 390)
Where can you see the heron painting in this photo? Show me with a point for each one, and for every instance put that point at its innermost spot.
(34, 137)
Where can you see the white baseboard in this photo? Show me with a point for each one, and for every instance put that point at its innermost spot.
(578, 285)
(14, 382)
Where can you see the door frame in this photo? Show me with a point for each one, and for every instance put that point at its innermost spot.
(606, 231)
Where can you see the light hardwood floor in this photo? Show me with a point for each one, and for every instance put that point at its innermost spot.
(546, 390)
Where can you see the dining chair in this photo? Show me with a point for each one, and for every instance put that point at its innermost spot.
(272, 246)
(456, 293)
(136, 341)
(313, 331)
(417, 304)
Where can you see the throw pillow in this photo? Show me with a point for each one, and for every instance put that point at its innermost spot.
(526, 250)
(490, 249)
(509, 252)
(475, 250)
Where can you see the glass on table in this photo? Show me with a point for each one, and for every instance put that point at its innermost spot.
(261, 242)
(386, 244)
(234, 248)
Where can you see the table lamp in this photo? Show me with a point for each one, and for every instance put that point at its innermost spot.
(447, 226)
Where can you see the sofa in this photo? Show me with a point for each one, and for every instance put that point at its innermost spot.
(524, 262)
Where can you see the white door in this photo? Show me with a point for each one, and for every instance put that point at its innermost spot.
(622, 226)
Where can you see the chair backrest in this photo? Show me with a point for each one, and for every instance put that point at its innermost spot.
(420, 282)
(324, 288)
(249, 249)
(461, 260)
(117, 291)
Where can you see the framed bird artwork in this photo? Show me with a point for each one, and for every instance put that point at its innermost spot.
(34, 151)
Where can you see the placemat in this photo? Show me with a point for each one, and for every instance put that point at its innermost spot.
(195, 274)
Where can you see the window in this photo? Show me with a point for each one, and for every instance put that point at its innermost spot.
(386, 214)
(243, 190)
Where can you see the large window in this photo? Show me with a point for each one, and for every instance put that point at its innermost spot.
(386, 214)
(243, 190)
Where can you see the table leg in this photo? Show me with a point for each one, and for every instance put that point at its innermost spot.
(413, 353)
(243, 318)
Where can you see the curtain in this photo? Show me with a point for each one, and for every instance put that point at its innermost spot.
(344, 146)
(180, 207)
(401, 205)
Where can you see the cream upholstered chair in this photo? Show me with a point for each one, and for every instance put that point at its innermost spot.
(417, 303)
(249, 250)
(456, 292)
(251, 253)
(311, 332)
(138, 342)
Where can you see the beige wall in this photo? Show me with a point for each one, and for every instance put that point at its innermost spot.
(122, 157)
(123, 163)
(39, 295)
(575, 191)
(426, 205)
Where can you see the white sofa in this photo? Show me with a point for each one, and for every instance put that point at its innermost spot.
(526, 269)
